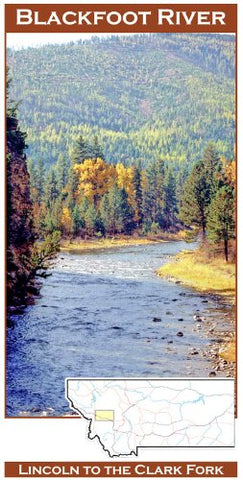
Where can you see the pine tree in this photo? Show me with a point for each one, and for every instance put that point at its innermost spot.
(160, 194)
(137, 185)
(126, 212)
(62, 169)
(51, 191)
(149, 204)
(170, 201)
(181, 176)
(99, 225)
(78, 219)
(196, 198)
(221, 219)
(52, 221)
(96, 149)
(116, 212)
(212, 167)
(211, 160)
(40, 178)
(110, 211)
(72, 186)
(81, 151)
(90, 219)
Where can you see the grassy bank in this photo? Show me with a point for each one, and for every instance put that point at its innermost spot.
(194, 269)
(119, 241)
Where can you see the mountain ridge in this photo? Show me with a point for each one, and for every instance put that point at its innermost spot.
(144, 96)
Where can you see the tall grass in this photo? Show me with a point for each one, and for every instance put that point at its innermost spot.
(197, 270)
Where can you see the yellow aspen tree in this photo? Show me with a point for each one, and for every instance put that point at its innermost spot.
(125, 180)
(66, 220)
(95, 178)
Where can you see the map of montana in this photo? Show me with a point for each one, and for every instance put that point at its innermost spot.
(124, 415)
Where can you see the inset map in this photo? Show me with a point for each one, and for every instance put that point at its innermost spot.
(131, 413)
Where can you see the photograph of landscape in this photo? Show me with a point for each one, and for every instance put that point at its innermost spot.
(121, 206)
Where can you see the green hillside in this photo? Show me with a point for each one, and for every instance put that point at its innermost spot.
(145, 96)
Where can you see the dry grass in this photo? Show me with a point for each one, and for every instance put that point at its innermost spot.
(196, 270)
(120, 241)
(228, 352)
(95, 244)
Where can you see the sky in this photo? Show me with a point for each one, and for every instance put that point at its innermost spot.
(20, 40)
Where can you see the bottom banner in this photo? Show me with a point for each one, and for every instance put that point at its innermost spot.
(121, 469)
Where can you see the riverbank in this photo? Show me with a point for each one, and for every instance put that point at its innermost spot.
(210, 276)
(119, 241)
(194, 269)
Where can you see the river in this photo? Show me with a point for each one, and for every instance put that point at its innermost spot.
(106, 314)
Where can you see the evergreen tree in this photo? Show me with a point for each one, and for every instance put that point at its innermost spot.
(84, 205)
(78, 219)
(51, 190)
(137, 184)
(200, 188)
(40, 178)
(90, 219)
(212, 166)
(99, 225)
(126, 212)
(195, 201)
(62, 169)
(72, 186)
(211, 160)
(221, 219)
(96, 149)
(81, 151)
(181, 176)
(146, 213)
(116, 212)
(170, 201)
(53, 216)
(160, 194)
(109, 211)
(150, 210)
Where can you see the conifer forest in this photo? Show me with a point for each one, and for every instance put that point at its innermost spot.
(129, 133)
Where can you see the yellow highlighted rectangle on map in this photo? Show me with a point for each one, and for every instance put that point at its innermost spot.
(104, 415)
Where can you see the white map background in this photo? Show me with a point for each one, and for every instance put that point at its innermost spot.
(155, 413)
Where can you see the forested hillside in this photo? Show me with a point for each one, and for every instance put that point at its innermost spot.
(144, 96)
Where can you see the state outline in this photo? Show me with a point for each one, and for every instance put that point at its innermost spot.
(136, 452)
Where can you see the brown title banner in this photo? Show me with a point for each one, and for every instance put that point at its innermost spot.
(121, 469)
(128, 18)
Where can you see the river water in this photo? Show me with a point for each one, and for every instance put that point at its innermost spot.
(106, 314)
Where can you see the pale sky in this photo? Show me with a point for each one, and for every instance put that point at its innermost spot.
(20, 40)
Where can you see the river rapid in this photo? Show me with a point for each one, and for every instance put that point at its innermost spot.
(105, 313)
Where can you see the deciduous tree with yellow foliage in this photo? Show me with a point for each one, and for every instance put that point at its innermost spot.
(95, 178)
(125, 176)
(66, 221)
